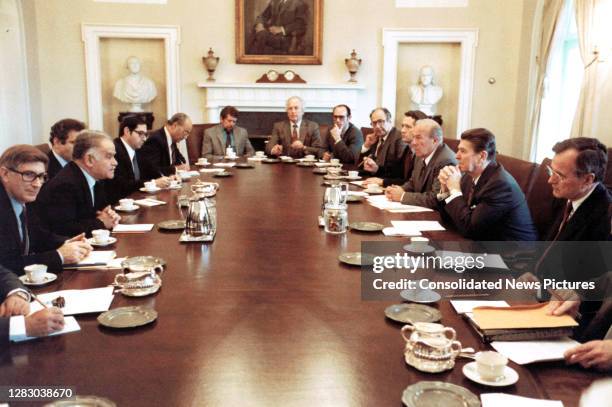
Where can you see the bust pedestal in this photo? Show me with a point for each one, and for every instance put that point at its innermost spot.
(148, 116)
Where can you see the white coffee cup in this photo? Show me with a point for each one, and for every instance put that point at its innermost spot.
(202, 160)
(100, 236)
(35, 273)
(333, 170)
(260, 154)
(126, 203)
(310, 157)
(150, 186)
(175, 183)
(419, 243)
(353, 174)
(334, 161)
(490, 365)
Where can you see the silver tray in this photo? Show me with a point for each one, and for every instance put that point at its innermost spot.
(434, 394)
(176, 224)
(82, 401)
(185, 238)
(127, 317)
(356, 259)
(411, 313)
(143, 263)
(366, 226)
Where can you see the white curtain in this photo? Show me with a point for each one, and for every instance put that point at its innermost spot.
(546, 26)
(592, 21)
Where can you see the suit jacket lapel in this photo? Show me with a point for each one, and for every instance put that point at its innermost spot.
(165, 148)
(123, 156)
(303, 132)
(578, 218)
(83, 184)
(6, 202)
(484, 178)
(219, 135)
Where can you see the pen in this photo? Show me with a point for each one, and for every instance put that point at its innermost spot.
(38, 299)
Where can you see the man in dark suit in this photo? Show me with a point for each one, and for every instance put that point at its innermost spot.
(24, 240)
(226, 134)
(382, 149)
(485, 203)
(16, 304)
(344, 140)
(278, 25)
(431, 156)
(75, 202)
(407, 159)
(160, 154)
(295, 137)
(128, 177)
(62, 138)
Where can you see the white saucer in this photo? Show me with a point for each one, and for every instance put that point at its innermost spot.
(421, 296)
(352, 178)
(122, 209)
(151, 191)
(227, 157)
(510, 376)
(427, 249)
(49, 277)
(202, 164)
(111, 240)
(176, 187)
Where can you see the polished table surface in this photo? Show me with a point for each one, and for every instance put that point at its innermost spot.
(263, 316)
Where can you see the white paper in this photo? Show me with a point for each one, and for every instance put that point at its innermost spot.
(409, 209)
(135, 228)
(358, 183)
(193, 173)
(78, 301)
(322, 165)
(391, 231)
(464, 306)
(524, 352)
(98, 256)
(149, 202)
(358, 193)
(224, 165)
(211, 170)
(70, 325)
(421, 225)
(489, 260)
(510, 400)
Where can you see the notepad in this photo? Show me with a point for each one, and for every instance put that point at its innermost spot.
(135, 228)
(420, 225)
(510, 400)
(149, 202)
(78, 301)
(70, 325)
(520, 317)
(95, 258)
(463, 306)
(524, 352)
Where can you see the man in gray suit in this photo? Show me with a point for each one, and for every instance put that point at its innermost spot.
(295, 137)
(431, 156)
(226, 134)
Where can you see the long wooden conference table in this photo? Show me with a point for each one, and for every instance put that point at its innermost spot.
(265, 315)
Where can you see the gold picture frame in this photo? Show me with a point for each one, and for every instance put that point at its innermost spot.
(279, 32)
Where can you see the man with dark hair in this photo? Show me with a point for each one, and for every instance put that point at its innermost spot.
(407, 160)
(431, 156)
(295, 136)
(160, 154)
(226, 134)
(485, 203)
(75, 201)
(278, 27)
(15, 323)
(344, 140)
(61, 140)
(24, 240)
(382, 149)
(128, 177)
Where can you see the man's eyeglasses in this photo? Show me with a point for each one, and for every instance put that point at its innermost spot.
(380, 122)
(552, 172)
(141, 133)
(30, 176)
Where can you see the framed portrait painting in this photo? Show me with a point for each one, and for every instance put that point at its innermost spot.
(279, 31)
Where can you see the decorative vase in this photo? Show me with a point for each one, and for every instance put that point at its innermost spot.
(352, 64)
(210, 62)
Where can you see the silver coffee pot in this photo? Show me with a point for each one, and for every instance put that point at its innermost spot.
(201, 220)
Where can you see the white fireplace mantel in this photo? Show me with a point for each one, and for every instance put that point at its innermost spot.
(271, 97)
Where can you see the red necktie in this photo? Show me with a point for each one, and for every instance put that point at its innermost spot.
(294, 134)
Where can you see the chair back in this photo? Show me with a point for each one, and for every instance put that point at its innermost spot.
(540, 200)
(521, 170)
(452, 143)
(195, 141)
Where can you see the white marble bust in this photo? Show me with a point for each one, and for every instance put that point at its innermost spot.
(135, 89)
(426, 95)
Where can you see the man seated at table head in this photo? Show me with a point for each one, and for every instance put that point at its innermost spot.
(226, 134)
(15, 323)
(75, 201)
(128, 174)
(343, 140)
(61, 140)
(431, 156)
(160, 153)
(383, 148)
(24, 240)
(407, 161)
(296, 136)
(485, 203)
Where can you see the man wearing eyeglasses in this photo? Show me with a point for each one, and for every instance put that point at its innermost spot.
(24, 240)
(75, 201)
(344, 139)
(61, 140)
(382, 149)
(128, 174)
